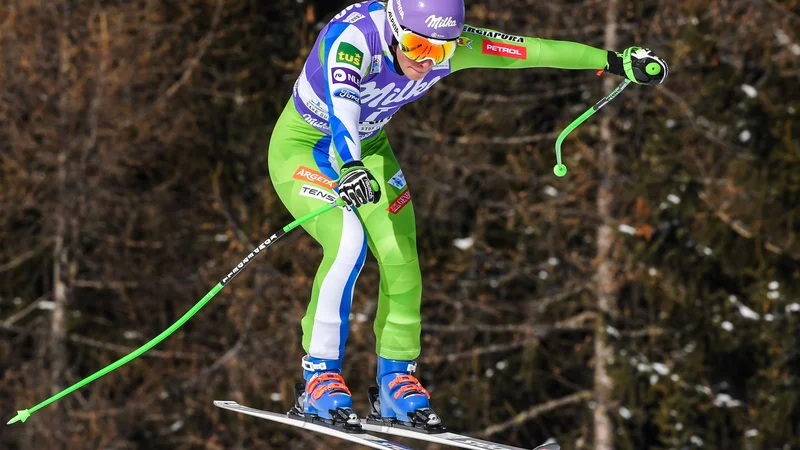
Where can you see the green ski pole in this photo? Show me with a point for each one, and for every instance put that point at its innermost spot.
(560, 169)
(24, 414)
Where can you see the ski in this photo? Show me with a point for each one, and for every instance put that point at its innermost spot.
(421, 430)
(444, 437)
(355, 436)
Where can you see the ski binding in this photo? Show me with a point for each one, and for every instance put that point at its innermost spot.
(425, 426)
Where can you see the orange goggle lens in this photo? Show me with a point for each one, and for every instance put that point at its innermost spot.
(420, 48)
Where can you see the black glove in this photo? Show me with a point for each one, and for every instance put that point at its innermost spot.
(639, 65)
(357, 186)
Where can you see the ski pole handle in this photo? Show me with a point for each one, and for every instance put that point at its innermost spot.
(560, 169)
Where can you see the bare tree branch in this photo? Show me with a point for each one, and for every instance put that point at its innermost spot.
(536, 411)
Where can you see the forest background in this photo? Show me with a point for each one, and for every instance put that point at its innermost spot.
(648, 300)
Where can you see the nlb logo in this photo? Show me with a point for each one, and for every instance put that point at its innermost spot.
(400, 202)
(343, 75)
(507, 50)
(312, 176)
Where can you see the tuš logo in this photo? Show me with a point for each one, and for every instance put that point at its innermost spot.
(506, 50)
(440, 22)
(348, 54)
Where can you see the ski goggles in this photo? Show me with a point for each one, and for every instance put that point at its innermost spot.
(418, 47)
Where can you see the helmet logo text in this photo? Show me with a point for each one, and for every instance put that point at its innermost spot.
(440, 22)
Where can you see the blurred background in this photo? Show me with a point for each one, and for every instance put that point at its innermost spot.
(647, 300)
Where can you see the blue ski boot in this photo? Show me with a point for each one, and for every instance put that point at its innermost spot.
(325, 398)
(400, 399)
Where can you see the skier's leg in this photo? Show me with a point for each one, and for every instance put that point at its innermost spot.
(391, 232)
(301, 172)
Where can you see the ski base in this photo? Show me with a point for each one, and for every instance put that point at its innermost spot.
(443, 437)
(355, 435)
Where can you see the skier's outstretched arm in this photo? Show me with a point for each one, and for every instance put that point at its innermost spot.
(484, 48)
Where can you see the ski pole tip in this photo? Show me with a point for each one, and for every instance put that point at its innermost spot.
(560, 170)
(21, 416)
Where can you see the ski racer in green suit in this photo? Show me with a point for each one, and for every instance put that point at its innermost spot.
(370, 60)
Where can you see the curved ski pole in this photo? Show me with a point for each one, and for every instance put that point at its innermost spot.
(560, 169)
(24, 414)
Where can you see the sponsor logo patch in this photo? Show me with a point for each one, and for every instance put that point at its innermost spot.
(347, 94)
(377, 61)
(400, 202)
(354, 17)
(315, 123)
(442, 66)
(465, 42)
(507, 50)
(436, 22)
(494, 34)
(346, 10)
(398, 180)
(348, 54)
(343, 75)
(312, 176)
(317, 193)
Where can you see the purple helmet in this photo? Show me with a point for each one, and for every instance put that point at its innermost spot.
(438, 19)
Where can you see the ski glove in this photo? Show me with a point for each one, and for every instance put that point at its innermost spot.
(639, 65)
(357, 186)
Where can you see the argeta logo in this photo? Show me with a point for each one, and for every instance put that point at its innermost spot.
(502, 49)
(347, 53)
(440, 22)
(348, 94)
(311, 175)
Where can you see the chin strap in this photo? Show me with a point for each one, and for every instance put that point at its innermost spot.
(393, 48)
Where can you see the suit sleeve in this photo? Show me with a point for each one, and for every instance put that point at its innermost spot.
(484, 48)
(343, 54)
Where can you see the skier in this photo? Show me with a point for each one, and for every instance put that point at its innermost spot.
(371, 59)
